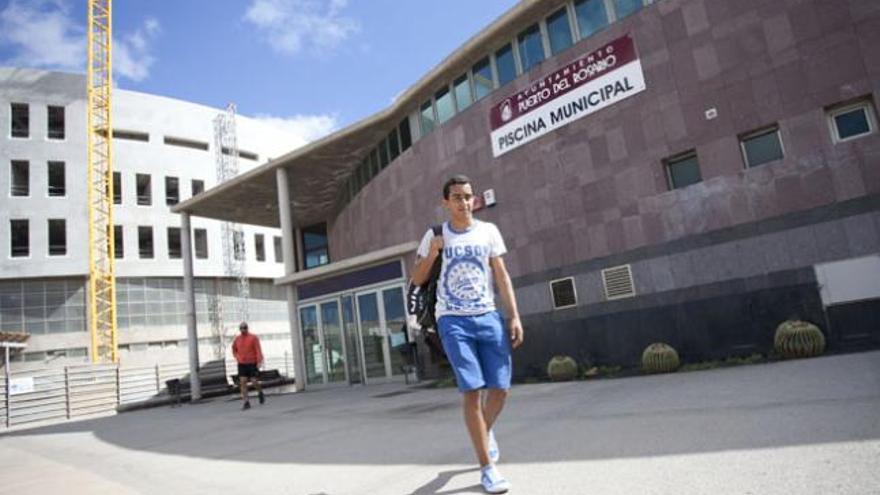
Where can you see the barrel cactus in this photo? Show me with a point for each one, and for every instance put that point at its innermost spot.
(798, 339)
(659, 358)
(562, 368)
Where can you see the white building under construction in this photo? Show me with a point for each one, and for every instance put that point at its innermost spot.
(164, 152)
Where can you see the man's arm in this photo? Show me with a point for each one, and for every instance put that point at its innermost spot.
(235, 348)
(505, 289)
(422, 269)
(259, 351)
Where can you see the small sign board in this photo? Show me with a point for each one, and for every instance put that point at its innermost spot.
(21, 385)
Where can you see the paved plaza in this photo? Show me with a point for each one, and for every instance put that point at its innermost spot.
(799, 427)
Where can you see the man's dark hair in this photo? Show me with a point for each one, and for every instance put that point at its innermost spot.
(243, 326)
(454, 181)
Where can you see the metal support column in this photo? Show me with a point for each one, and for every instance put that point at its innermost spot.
(286, 218)
(190, 296)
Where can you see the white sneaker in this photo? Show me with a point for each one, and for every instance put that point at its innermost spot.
(494, 452)
(492, 480)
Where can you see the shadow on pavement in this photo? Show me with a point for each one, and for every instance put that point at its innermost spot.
(822, 400)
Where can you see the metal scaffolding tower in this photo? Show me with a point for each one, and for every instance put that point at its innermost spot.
(226, 156)
(102, 281)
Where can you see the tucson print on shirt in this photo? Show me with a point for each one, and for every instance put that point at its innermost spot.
(466, 284)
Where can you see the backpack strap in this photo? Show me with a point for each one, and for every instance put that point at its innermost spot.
(437, 228)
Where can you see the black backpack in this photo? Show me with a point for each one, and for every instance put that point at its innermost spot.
(421, 300)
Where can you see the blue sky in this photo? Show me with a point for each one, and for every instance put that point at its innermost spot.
(311, 66)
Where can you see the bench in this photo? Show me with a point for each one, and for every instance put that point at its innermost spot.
(211, 385)
(267, 378)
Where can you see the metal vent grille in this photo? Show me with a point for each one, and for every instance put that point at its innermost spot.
(618, 282)
(564, 295)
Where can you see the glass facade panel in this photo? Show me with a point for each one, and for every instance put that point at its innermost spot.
(312, 345)
(372, 336)
(174, 250)
(20, 185)
(383, 155)
(315, 248)
(591, 16)
(505, 65)
(853, 123)
(57, 186)
(393, 145)
(395, 324)
(201, 243)
(683, 171)
(19, 238)
(260, 247)
(117, 188)
(20, 124)
(462, 88)
(427, 114)
(531, 48)
(118, 242)
(445, 106)
(144, 190)
(405, 135)
(172, 191)
(762, 148)
(559, 31)
(57, 237)
(482, 73)
(55, 121)
(145, 242)
(331, 326)
(624, 8)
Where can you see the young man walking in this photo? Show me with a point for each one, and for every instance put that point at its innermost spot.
(473, 333)
(247, 351)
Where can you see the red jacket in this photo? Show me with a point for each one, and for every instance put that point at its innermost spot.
(246, 349)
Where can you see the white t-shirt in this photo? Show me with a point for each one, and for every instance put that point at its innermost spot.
(466, 284)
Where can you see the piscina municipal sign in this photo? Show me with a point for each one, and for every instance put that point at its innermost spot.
(597, 80)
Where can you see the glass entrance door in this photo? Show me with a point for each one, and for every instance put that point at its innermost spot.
(372, 332)
(323, 344)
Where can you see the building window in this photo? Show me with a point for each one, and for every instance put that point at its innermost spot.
(118, 242)
(20, 238)
(462, 88)
(852, 121)
(21, 178)
(624, 8)
(201, 242)
(117, 188)
(131, 135)
(174, 243)
(682, 170)
(563, 292)
(383, 155)
(144, 190)
(531, 47)
(393, 145)
(405, 135)
(260, 247)
(279, 254)
(238, 247)
(198, 186)
(21, 120)
(145, 242)
(374, 164)
(55, 122)
(482, 73)
(427, 113)
(445, 105)
(762, 146)
(57, 237)
(591, 16)
(505, 64)
(186, 143)
(56, 179)
(315, 248)
(559, 31)
(172, 191)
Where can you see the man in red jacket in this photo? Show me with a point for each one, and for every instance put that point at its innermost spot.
(247, 351)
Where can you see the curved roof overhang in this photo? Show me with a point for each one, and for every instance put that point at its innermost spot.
(318, 171)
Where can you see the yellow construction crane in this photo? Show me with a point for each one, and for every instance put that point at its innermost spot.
(102, 281)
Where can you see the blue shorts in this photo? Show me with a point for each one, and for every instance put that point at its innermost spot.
(478, 349)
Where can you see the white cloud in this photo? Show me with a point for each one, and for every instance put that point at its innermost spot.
(44, 34)
(300, 130)
(132, 57)
(292, 26)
